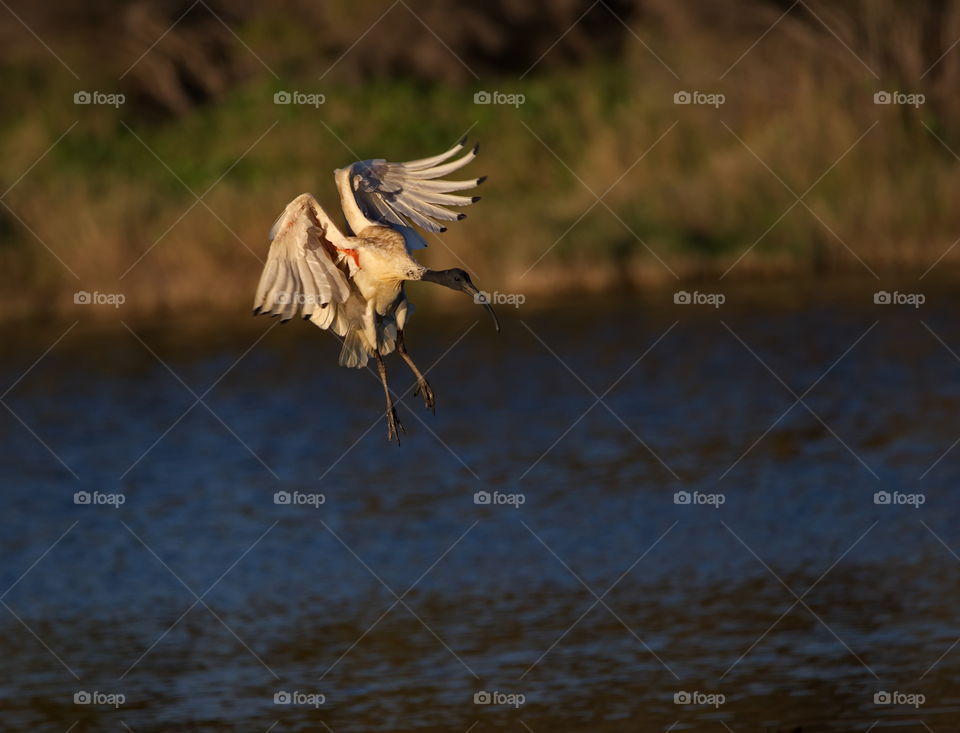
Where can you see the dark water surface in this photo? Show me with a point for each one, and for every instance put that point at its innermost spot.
(598, 599)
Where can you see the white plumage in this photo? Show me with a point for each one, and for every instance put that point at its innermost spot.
(352, 284)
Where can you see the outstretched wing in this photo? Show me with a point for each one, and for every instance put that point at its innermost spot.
(305, 273)
(403, 194)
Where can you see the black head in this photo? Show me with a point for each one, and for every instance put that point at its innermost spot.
(457, 279)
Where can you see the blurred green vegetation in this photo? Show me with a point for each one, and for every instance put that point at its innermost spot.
(690, 193)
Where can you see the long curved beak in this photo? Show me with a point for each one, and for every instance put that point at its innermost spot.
(483, 299)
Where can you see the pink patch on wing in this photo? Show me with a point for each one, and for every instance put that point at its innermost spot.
(352, 253)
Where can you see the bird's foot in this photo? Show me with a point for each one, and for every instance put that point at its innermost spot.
(394, 426)
(423, 386)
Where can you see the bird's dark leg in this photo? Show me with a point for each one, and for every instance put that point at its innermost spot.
(394, 426)
(422, 384)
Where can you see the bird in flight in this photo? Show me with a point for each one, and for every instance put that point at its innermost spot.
(353, 283)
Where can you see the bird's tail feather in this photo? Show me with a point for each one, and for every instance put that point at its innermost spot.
(354, 352)
(357, 347)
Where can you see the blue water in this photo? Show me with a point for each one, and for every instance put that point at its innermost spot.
(494, 597)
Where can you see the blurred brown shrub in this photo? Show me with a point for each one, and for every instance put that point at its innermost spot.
(199, 57)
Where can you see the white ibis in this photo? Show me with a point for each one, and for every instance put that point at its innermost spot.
(353, 284)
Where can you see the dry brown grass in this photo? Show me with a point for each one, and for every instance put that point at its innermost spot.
(698, 199)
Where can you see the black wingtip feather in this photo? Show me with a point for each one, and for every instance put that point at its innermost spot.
(474, 199)
(256, 311)
(480, 180)
(443, 229)
(461, 217)
(476, 148)
(463, 141)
